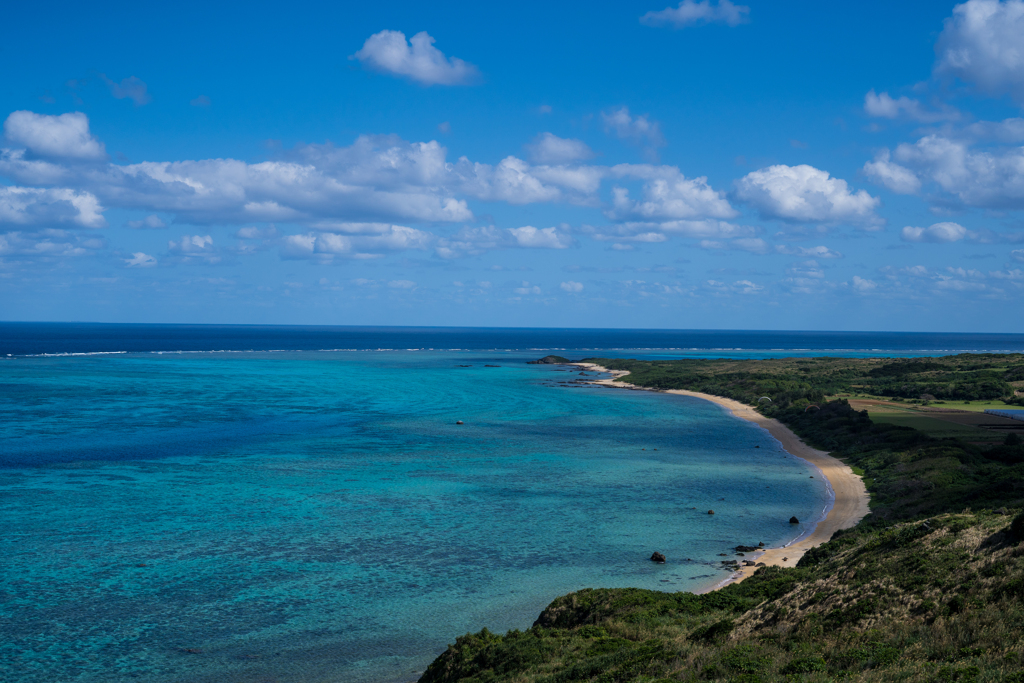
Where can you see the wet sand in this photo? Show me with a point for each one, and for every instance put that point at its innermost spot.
(851, 497)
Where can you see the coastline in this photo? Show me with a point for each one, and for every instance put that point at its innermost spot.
(850, 502)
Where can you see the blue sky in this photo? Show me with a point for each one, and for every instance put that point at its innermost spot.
(799, 165)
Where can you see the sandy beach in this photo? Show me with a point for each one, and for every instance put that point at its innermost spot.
(851, 497)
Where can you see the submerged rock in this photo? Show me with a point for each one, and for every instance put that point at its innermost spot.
(794, 520)
(711, 512)
(658, 557)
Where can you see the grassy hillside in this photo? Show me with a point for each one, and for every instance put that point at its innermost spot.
(928, 587)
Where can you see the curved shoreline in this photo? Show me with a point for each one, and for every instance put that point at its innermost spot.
(850, 496)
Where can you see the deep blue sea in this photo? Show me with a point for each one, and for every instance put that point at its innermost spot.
(244, 503)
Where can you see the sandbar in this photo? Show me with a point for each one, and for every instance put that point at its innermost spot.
(851, 496)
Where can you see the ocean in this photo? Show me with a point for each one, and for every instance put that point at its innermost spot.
(248, 503)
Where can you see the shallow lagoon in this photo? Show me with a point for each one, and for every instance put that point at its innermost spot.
(319, 516)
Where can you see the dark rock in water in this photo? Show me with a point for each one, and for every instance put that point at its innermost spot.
(794, 520)
(756, 446)
(548, 360)
(465, 366)
(658, 557)
(458, 422)
(761, 544)
(711, 512)
(492, 366)
(745, 548)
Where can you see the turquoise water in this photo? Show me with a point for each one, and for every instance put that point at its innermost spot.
(319, 516)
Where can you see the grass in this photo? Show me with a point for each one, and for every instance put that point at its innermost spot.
(936, 428)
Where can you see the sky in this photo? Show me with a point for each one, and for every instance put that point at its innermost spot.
(698, 165)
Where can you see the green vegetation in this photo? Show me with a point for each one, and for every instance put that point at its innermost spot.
(928, 587)
(789, 381)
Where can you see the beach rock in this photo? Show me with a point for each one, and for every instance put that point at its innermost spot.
(760, 564)
(548, 360)
(748, 563)
(794, 520)
(658, 557)
(711, 512)
(745, 548)
(761, 544)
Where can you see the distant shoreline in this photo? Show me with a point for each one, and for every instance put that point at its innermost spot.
(850, 504)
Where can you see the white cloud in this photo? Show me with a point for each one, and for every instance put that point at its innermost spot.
(988, 179)
(939, 232)
(130, 87)
(639, 130)
(816, 252)
(546, 238)
(572, 286)
(806, 194)
(201, 101)
(862, 285)
(1017, 255)
(981, 44)
(140, 260)
(548, 148)
(374, 240)
(690, 13)
(527, 288)
(61, 137)
(899, 179)
(667, 195)
(884, 106)
(29, 206)
(152, 222)
(402, 284)
(375, 178)
(416, 59)
(45, 244)
(192, 244)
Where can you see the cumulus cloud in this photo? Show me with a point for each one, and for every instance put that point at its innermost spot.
(939, 232)
(981, 44)
(45, 244)
(806, 194)
(571, 286)
(151, 222)
(884, 106)
(29, 206)
(885, 172)
(527, 288)
(140, 260)
(667, 195)
(638, 130)
(690, 13)
(863, 285)
(982, 178)
(548, 148)
(1017, 255)
(402, 284)
(65, 136)
(545, 238)
(816, 252)
(131, 88)
(417, 59)
(366, 240)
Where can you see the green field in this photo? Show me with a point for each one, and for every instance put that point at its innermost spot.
(933, 427)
